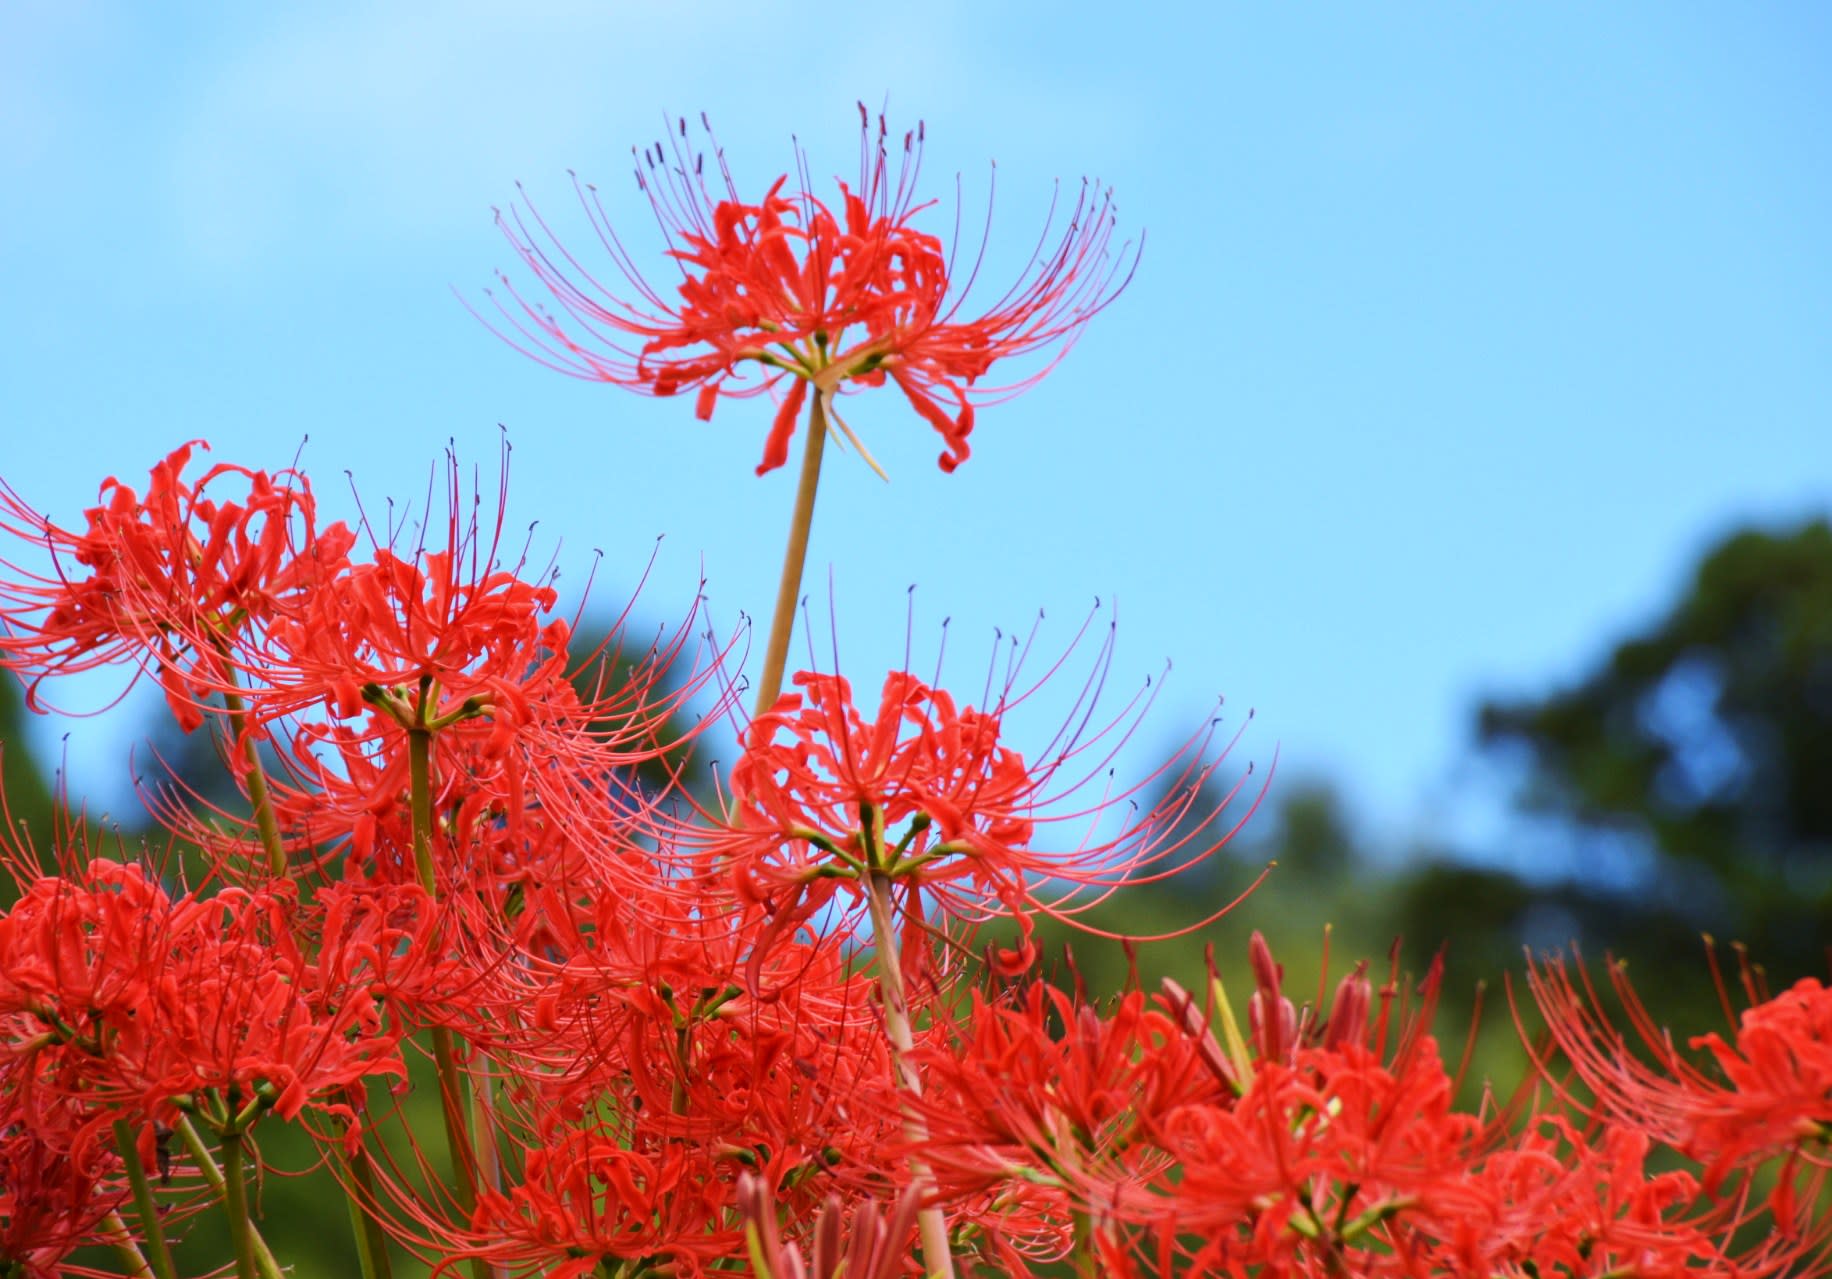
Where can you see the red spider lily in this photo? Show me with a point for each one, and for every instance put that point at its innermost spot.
(1039, 1112)
(1327, 1137)
(1301, 1137)
(824, 299)
(629, 1024)
(166, 581)
(1314, 1154)
(1051, 1090)
(1770, 1095)
(205, 1004)
(75, 954)
(52, 1201)
(1560, 1200)
(450, 647)
(772, 1055)
(928, 796)
(427, 636)
(585, 1196)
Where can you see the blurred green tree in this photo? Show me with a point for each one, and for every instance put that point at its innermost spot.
(27, 792)
(1688, 775)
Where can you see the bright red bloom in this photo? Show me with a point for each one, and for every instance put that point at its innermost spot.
(928, 796)
(827, 299)
(1779, 1072)
(1049, 1088)
(1770, 1095)
(447, 638)
(1582, 1200)
(157, 1000)
(585, 1198)
(52, 1201)
(164, 581)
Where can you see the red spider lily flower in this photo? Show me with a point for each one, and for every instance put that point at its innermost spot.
(52, 1202)
(1315, 1146)
(1049, 1089)
(75, 954)
(770, 1054)
(929, 796)
(790, 288)
(585, 1198)
(206, 1004)
(261, 1017)
(1316, 1153)
(166, 581)
(425, 635)
(392, 944)
(1770, 1094)
(450, 647)
(1568, 1200)
(1042, 1111)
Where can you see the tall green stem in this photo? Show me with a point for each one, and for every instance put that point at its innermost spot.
(151, 1228)
(264, 1259)
(122, 1240)
(445, 1053)
(794, 557)
(235, 1200)
(932, 1226)
(371, 1241)
(1084, 1253)
(256, 779)
(420, 805)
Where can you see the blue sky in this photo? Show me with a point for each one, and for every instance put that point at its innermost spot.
(1460, 329)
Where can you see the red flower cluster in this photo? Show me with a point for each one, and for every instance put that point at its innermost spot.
(1761, 1096)
(927, 798)
(160, 1004)
(679, 1036)
(165, 581)
(824, 299)
(449, 844)
(1329, 1146)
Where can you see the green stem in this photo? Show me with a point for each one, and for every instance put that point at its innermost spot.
(484, 1094)
(932, 1226)
(1085, 1254)
(794, 556)
(121, 1239)
(256, 777)
(420, 803)
(445, 1053)
(213, 1177)
(371, 1242)
(151, 1228)
(457, 1132)
(235, 1200)
(683, 1043)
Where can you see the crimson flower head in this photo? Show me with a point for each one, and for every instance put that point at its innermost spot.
(790, 292)
(167, 579)
(831, 795)
(1764, 1093)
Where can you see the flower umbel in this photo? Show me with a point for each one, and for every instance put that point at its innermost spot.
(928, 799)
(831, 297)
